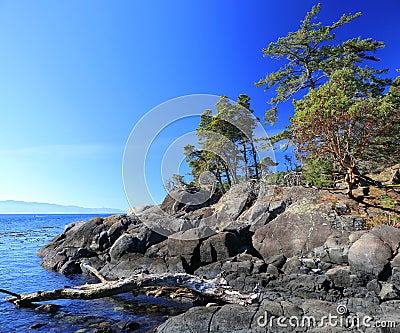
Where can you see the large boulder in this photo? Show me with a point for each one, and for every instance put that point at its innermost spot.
(302, 227)
(163, 223)
(196, 319)
(187, 242)
(388, 235)
(232, 204)
(186, 200)
(369, 256)
(219, 247)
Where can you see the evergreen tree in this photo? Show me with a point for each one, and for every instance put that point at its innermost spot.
(312, 54)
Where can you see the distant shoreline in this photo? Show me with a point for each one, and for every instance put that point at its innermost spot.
(69, 213)
(25, 207)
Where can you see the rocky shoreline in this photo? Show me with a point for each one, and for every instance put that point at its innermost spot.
(306, 251)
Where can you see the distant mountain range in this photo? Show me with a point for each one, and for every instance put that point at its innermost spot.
(23, 207)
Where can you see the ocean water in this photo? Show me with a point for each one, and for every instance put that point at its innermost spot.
(20, 271)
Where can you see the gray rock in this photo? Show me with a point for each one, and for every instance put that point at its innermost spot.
(340, 276)
(395, 280)
(196, 319)
(374, 286)
(48, 308)
(219, 247)
(82, 240)
(273, 271)
(342, 207)
(278, 260)
(356, 235)
(388, 235)
(124, 244)
(231, 205)
(185, 200)
(70, 267)
(396, 264)
(137, 210)
(336, 255)
(135, 263)
(301, 228)
(388, 292)
(163, 223)
(292, 266)
(369, 255)
(232, 318)
(188, 241)
(209, 271)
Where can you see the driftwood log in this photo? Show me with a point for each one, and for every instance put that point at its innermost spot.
(215, 289)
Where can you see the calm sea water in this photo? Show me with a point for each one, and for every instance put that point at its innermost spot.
(20, 271)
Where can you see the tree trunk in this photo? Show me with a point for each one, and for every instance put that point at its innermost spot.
(351, 179)
(253, 150)
(246, 163)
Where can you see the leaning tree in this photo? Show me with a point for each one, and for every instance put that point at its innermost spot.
(340, 120)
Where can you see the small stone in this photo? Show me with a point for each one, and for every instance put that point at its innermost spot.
(342, 207)
(374, 286)
(277, 260)
(388, 292)
(292, 266)
(48, 308)
(273, 270)
(37, 326)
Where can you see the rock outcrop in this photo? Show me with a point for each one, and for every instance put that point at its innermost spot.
(304, 250)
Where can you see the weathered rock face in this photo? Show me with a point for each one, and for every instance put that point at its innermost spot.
(219, 247)
(371, 253)
(188, 200)
(301, 228)
(263, 317)
(162, 223)
(232, 204)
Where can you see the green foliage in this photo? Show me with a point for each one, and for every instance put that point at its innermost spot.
(226, 143)
(388, 140)
(276, 178)
(340, 120)
(387, 202)
(312, 54)
(319, 172)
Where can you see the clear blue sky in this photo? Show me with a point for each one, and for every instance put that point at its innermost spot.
(77, 75)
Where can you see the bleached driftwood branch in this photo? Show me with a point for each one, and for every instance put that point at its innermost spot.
(215, 289)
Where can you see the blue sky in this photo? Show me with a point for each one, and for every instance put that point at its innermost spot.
(76, 76)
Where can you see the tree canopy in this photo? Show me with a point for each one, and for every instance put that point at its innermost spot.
(340, 120)
(345, 121)
(312, 54)
(226, 147)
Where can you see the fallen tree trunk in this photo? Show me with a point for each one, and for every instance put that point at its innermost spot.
(215, 289)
